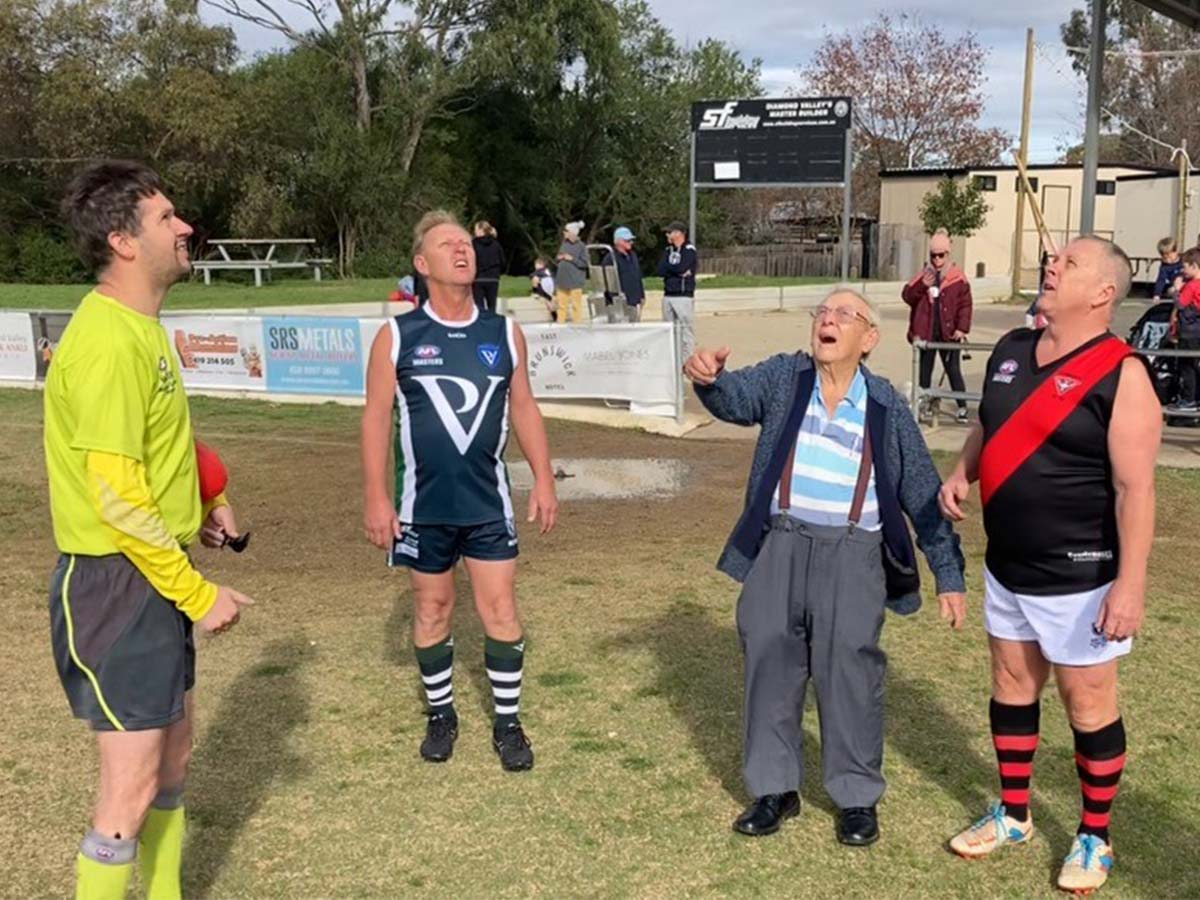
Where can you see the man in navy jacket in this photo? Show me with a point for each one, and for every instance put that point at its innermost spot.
(678, 266)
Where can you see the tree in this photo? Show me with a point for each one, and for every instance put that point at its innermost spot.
(962, 211)
(918, 96)
(1142, 90)
(409, 63)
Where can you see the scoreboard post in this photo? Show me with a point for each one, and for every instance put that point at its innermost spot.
(802, 142)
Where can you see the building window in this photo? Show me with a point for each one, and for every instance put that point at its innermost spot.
(1033, 184)
(1106, 187)
(985, 182)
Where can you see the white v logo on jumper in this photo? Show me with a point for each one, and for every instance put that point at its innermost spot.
(449, 415)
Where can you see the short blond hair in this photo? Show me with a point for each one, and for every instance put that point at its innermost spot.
(428, 222)
(1167, 245)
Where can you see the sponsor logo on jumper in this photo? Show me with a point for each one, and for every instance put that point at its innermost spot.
(1089, 556)
(456, 335)
(428, 355)
(1064, 384)
(489, 354)
(471, 403)
(1007, 372)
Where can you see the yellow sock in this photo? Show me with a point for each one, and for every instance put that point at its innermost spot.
(101, 881)
(161, 853)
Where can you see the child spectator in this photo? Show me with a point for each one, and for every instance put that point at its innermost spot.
(1185, 326)
(542, 282)
(1169, 269)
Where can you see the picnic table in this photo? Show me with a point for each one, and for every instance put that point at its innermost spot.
(260, 255)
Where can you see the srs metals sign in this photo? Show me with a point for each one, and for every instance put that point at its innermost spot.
(779, 141)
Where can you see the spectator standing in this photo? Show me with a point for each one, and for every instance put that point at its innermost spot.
(571, 275)
(939, 300)
(1170, 270)
(678, 267)
(629, 273)
(489, 265)
(542, 283)
(1185, 327)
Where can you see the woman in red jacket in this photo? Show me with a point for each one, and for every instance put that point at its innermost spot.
(939, 300)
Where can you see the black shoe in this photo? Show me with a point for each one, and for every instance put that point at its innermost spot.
(516, 754)
(858, 826)
(766, 814)
(440, 734)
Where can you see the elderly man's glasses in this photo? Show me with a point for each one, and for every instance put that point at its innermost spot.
(843, 315)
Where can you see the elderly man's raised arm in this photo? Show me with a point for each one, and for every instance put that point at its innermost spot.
(737, 396)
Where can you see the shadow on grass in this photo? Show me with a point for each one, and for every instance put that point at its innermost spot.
(699, 674)
(468, 643)
(243, 753)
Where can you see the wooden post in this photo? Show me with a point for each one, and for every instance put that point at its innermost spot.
(1023, 156)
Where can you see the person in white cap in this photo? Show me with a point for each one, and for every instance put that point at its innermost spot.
(571, 275)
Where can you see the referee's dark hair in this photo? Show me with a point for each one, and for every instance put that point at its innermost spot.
(102, 200)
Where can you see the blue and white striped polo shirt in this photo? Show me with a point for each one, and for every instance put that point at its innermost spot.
(826, 462)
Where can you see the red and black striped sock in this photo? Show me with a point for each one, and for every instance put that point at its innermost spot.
(1099, 759)
(1015, 737)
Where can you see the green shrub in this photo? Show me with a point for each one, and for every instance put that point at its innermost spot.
(42, 258)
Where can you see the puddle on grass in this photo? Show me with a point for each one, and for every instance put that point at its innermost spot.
(609, 479)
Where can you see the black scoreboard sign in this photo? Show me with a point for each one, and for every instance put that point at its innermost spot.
(800, 141)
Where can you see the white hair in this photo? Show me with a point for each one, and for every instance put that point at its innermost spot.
(872, 309)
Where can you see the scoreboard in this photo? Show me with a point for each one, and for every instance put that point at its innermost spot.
(749, 143)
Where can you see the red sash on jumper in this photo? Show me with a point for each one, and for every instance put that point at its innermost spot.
(1039, 416)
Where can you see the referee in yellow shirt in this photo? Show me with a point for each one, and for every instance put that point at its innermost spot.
(125, 500)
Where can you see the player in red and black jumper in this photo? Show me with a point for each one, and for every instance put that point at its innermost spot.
(1064, 452)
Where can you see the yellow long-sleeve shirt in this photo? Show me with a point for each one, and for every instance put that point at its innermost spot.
(120, 453)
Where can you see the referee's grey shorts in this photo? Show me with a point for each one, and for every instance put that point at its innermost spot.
(124, 653)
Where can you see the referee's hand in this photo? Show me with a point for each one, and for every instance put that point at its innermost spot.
(704, 366)
(225, 611)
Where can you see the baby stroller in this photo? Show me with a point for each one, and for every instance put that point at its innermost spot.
(1152, 332)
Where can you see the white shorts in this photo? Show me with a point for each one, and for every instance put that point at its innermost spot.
(1061, 624)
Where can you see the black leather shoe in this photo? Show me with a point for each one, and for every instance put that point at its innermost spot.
(858, 826)
(766, 814)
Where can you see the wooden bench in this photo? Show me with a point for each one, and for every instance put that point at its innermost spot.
(208, 266)
(258, 255)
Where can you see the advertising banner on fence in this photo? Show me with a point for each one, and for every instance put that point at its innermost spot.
(48, 329)
(222, 352)
(18, 360)
(313, 355)
(616, 362)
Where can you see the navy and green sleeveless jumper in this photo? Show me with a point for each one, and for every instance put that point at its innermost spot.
(452, 383)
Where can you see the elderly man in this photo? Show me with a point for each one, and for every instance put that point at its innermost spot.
(822, 548)
(1064, 453)
(939, 299)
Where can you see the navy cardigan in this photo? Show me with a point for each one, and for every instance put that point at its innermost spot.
(775, 394)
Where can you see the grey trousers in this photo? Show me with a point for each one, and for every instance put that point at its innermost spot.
(812, 607)
(682, 310)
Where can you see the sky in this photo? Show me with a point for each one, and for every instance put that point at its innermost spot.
(784, 35)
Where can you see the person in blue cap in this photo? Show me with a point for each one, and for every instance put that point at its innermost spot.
(629, 273)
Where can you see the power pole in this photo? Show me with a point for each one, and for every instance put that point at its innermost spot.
(1181, 215)
(1091, 134)
(1026, 103)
